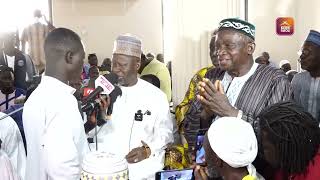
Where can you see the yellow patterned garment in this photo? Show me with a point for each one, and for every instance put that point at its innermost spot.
(248, 177)
(183, 107)
(176, 158)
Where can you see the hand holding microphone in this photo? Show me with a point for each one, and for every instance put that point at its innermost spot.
(96, 105)
(107, 85)
(104, 102)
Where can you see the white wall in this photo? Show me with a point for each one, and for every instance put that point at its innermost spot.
(99, 22)
(263, 13)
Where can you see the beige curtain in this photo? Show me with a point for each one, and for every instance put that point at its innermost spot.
(187, 31)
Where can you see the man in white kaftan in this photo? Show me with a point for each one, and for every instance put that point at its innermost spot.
(140, 127)
(56, 140)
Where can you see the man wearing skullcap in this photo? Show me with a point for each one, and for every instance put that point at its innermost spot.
(239, 87)
(231, 146)
(285, 65)
(140, 127)
(306, 85)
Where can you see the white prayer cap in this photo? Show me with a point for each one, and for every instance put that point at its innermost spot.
(234, 141)
(282, 62)
(127, 45)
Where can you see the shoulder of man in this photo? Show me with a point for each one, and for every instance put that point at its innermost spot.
(300, 77)
(151, 89)
(270, 72)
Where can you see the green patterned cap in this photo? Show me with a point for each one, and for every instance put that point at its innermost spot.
(238, 25)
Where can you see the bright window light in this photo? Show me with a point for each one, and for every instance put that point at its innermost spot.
(17, 14)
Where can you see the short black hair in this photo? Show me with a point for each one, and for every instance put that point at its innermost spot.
(59, 41)
(295, 134)
(92, 55)
(151, 79)
(4, 68)
(93, 62)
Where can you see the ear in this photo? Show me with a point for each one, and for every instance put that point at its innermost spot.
(138, 64)
(251, 47)
(69, 57)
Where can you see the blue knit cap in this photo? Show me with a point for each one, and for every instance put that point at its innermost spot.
(314, 37)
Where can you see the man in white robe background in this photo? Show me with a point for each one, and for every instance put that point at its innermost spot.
(12, 147)
(140, 127)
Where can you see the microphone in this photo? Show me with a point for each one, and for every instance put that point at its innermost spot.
(107, 85)
(87, 91)
(104, 85)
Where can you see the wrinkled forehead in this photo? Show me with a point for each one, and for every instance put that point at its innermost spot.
(229, 35)
(121, 58)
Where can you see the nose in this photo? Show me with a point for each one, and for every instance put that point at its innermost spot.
(220, 51)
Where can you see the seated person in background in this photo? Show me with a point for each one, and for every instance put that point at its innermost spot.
(290, 140)
(105, 66)
(230, 147)
(12, 144)
(9, 95)
(285, 65)
(20, 63)
(190, 95)
(151, 79)
(153, 66)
